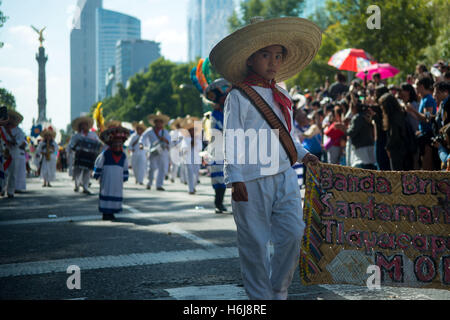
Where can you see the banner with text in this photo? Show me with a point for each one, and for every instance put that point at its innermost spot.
(357, 219)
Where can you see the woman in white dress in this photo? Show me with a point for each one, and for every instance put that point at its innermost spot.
(47, 151)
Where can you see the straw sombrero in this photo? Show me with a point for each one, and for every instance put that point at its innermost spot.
(14, 117)
(76, 123)
(300, 37)
(114, 131)
(139, 124)
(158, 115)
(48, 132)
(174, 122)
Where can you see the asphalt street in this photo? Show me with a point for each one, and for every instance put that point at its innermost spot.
(165, 245)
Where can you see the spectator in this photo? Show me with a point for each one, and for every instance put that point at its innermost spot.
(427, 111)
(361, 136)
(394, 123)
(380, 135)
(409, 99)
(441, 94)
(339, 87)
(443, 145)
(335, 132)
(377, 79)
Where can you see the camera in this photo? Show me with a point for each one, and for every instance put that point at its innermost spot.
(438, 139)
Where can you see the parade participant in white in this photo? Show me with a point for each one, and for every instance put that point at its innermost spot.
(111, 167)
(21, 167)
(82, 126)
(191, 146)
(266, 203)
(14, 140)
(47, 151)
(138, 157)
(159, 140)
(175, 143)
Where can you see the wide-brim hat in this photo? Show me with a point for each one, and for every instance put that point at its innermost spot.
(48, 132)
(140, 124)
(300, 37)
(76, 123)
(114, 131)
(175, 122)
(14, 117)
(158, 116)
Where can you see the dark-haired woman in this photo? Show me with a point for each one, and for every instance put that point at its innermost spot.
(410, 101)
(394, 124)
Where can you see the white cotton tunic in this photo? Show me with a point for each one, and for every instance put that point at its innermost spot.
(252, 161)
(48, 167)
(112, 175)
(138, 158)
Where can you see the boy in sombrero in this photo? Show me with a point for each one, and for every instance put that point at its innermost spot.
(266, 198)
(111, 167)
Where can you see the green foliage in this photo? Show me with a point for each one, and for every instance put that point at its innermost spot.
(166, 87)
(7, 99)
(265, 8)
(3, 19)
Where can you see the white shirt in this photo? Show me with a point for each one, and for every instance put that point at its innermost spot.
(240, 164)
(149, 137)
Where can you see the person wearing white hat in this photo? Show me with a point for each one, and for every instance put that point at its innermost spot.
(138, 157)
(14, 140)
(47, 150)
(81, 175)
(158, 139)
(175, 143)
(266, 199)
(191, 146)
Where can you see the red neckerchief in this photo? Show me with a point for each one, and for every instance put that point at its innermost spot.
(284, 102)
(116, 157)
(157, 131)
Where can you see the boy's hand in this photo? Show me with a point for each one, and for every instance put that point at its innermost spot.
(239, 192)
(309, 158)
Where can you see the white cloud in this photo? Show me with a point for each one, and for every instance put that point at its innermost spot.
(24, 34)
(155, 22)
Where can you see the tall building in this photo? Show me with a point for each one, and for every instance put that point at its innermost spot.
(134, 55)
(83, 58)
(207, 25)
(111, 27)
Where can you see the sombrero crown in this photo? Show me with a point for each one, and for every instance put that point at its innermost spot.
(300, 37)
(158, 116)
(114, 132)
(83, 119)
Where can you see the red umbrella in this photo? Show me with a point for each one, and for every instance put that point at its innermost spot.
(384, 69)
(351, 60)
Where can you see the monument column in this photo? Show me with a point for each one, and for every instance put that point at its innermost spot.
(42, 95)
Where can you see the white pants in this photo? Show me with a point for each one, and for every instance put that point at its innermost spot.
(273, 213)
(21, 173)
(158, 163)
(139, 165)
(81, 177)
(10, 176)
(192, 172)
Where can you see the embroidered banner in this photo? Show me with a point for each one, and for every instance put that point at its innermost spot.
(397, 221)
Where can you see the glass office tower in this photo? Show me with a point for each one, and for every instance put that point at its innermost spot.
(111, 27)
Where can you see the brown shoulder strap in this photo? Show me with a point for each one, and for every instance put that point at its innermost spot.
(272, 119)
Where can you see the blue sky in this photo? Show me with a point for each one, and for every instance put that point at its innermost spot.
(164, 21)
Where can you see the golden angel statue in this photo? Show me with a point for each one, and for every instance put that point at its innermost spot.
(40, 32)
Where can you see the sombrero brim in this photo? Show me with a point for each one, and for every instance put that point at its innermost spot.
(77, 121)
(175, 122)
(163, 117)
(14, 117)
(301, 38)
(109, 133)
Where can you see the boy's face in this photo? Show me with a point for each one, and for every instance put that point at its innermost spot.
(267, 61)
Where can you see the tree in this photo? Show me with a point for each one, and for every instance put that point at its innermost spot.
(406, 28)
(268, 9)
(7, 99)
(3, 19)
